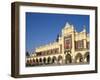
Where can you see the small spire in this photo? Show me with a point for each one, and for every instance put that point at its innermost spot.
(67, 25)
(84, 28)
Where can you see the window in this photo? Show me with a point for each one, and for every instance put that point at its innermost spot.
(67, 42)
(79, 44)
(88, 45)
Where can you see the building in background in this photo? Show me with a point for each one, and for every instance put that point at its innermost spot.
(70, 47)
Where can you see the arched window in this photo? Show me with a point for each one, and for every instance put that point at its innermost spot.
(40, 60)
(87, 57)
(49, 60)
(68, 59)
(54, 60)
(78, 58)
(36, 60)
(60, 59)
(44, 60)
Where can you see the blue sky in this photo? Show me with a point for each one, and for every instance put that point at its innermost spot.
(43, 28)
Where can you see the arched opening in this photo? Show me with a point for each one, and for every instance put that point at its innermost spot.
(78, 58)
(54, 60)
(87, 57)
(28, 62)
(40, 61)
(68, 59)
(49, 60)
(60, 59)
(36, 60)
(33, 60)
(44, 60)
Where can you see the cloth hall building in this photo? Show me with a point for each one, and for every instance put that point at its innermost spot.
(71, 47)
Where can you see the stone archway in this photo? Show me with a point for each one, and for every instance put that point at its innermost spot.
(68, 59)
(40, 60)
(78, 58)
(49, 60)
(44, 60)
(54, 60)
(87, 57)
(28, 62)
(33, 61)
(60, 59)
(37, 61)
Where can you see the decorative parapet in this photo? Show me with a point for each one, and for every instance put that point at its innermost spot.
(47, 45)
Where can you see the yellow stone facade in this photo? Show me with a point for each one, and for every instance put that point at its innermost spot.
(71, 47)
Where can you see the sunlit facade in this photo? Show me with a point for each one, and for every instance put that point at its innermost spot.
(70, 47)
